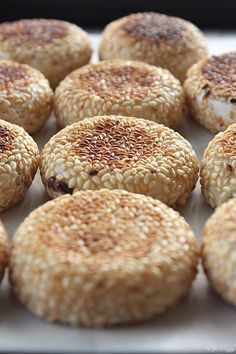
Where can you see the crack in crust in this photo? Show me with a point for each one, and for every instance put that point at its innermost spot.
(154, 27)
(38, 31)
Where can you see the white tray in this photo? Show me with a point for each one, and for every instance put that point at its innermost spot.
(201, 323)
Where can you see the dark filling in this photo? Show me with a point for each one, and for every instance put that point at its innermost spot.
(6, 138)
(207, 93)
(59, 186)
(93, 173)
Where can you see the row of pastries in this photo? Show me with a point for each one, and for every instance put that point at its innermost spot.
(109, 249)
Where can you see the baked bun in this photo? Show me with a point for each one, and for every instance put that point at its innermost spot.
(116, 152)
(25, 96)
(53, 47)
(210, 90)
(102, 258)
(120, 87)
(19, 158)
(157, 39)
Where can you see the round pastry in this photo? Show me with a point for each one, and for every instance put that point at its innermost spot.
(219, 250)
(101, 258)
(122, 88)
(218, 168)
(19, 158)
(169, 42)
(3, 251)
(25, 96)
(116, 152)
(211, 91)
(53, 47)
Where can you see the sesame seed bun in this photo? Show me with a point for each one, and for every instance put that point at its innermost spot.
(3, 251)
(219, 251)
(120, 87)
(25, 96)
(116, 152)
(218, 168)
(211, 91)
(156, 39)
(101, 258)
(53, 47)
(19, 157)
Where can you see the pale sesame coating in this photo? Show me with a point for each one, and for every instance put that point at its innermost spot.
(53, 47)
(101, 258)
(218, 168)
(19, 158)
(25, 96)
(210, 90)
(219, 250)
(157, 39)
(117, 152)
(3, 251)
(120, 87)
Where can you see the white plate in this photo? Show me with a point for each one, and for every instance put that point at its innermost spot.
(202, 322)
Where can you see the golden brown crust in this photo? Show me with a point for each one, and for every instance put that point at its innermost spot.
(117, 152)
(156, 39)
(226, 143)
(120, 87)
(220, 71)
(112, 145)
(116, 82)
(33, 31)
(53, 47)
(154, 27)
(102, 250)
(12, 75)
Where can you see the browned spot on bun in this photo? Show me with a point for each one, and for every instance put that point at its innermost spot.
(116, 83)
(36, 31)
(108, 238)
(221, 70)
(6, 138)
(12, 73)
(116, 144)
(227, 142)
(154, 27)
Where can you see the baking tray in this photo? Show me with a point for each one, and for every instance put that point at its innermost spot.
(201, 323)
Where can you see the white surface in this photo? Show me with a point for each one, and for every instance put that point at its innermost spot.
(202, 322)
